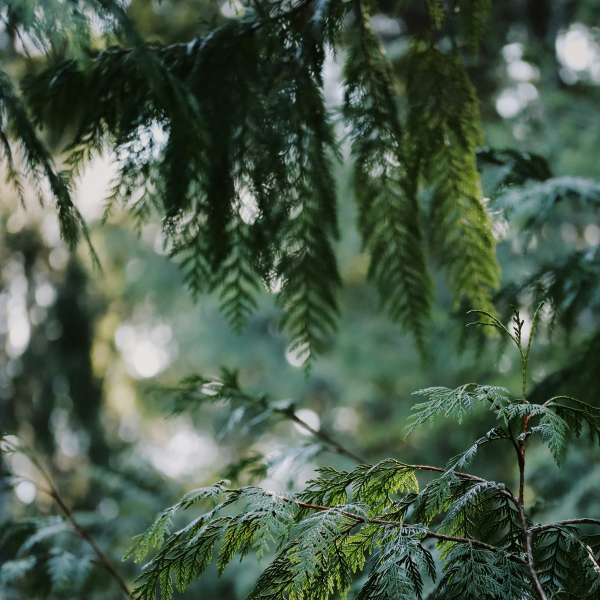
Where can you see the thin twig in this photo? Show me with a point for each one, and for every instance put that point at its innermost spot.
(538, 528)
(324, 437)
(459, 540)
(468, 476)
(86, 536)
(528, 536)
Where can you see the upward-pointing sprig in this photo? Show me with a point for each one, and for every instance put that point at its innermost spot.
(516, 336)
(489, 547)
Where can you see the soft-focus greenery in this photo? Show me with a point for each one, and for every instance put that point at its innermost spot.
(87, 345)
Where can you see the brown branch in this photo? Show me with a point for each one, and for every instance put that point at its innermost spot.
(339, 449)
(527, 533)
(535, 530)
(506, 493)
(528, 536)
(459, 540)
(521, 461)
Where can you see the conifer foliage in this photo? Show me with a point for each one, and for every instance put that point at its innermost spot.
(229, 140)
(377, 518)
(42, 28)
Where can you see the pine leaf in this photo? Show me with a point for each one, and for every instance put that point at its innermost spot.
(463, 460)
(576, 415)
(187, 553)
(471, 573)
(229, 141)
(397, 572)
(565, 563)
(372, 485)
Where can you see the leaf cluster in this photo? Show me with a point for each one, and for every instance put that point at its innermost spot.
(229, 139)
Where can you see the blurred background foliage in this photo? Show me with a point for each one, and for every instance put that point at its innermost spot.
(82, 349)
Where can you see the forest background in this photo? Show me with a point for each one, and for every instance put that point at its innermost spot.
(82, 348)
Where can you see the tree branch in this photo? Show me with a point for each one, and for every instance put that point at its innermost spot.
(53, 493)
(539, 528)
(483, 545)
(261, 22)
(428, 532)
(527, 534)
(86, 536)
(506, 493)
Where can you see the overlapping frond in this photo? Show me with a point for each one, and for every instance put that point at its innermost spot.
(444, 130)
(155, 535)
(567, 563)
(400, 565)
(370, 484)
(472, 573)
(187, 553)
(228, 138)
(386, 186)
(319, 546)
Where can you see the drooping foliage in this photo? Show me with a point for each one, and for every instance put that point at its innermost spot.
(386, 187)
(38, 165)
(444, 131)
(529, 196)
(229, 139)
(44, 28)
(378, 518)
